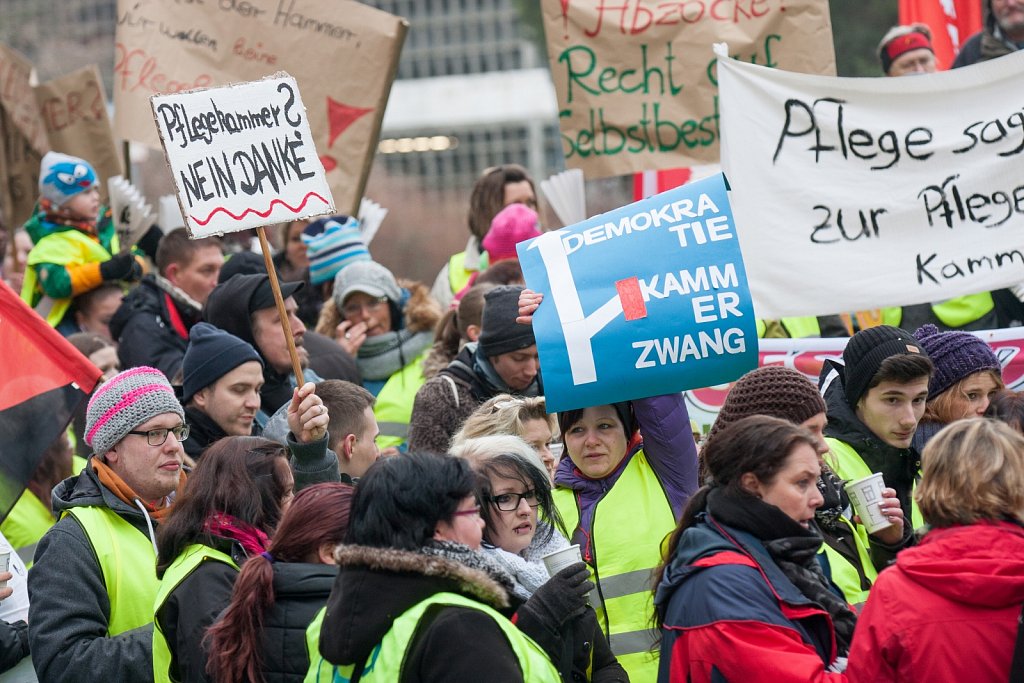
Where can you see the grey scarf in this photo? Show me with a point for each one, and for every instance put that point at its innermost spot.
(464, 555)
(382, 356)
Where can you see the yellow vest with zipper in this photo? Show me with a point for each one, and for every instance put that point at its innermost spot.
(388, 657)
(630, 523)
(128, 563)
(186, 563)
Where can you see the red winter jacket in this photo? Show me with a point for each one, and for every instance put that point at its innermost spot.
(947, 610)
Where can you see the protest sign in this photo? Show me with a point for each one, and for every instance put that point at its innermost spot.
(636, 79)
(861, 193)
(22, 138)
(644, 300)
(242, 156)
(344, 55)
(73, 109)
(808, 355)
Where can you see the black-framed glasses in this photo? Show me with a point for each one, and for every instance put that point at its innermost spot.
(157, 437)
(508, 502)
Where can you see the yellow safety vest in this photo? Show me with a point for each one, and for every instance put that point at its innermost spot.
(183, 565)
(393, 408)
(128, 563)
(844, 574)
(849, 466)
(795, 328)
(386, 660)
(630, 524)
(459, 275)
(68, 248)
(26, 523)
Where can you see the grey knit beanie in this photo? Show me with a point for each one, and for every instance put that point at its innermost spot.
(124, 402)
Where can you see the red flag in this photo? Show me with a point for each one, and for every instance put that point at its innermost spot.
(43, 380)
(952, 22)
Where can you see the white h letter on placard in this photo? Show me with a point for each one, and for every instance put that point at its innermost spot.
(577, 328)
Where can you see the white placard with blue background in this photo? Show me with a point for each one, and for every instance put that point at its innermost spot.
(645, 300)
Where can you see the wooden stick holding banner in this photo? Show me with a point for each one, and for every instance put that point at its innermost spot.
(242, 156)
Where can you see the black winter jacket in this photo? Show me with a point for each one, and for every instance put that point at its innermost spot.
(300, 590)
(144, 332)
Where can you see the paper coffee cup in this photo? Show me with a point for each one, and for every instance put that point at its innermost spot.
(5, 564)
(560, 559)
(866, 496)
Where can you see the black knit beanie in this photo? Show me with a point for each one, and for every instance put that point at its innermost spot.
(211, 354)
(500, 333)
(774, 391)
(865, 352)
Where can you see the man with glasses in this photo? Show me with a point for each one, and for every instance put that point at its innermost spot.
(94, 582)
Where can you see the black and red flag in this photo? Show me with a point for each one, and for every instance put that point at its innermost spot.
(43, 380)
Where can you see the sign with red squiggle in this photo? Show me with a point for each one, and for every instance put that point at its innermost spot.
(242, 156)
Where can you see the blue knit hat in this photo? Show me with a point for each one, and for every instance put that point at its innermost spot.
(211, 354)
(62, 176)
(331, 244)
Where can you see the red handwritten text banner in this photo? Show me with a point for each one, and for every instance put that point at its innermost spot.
(636, 79)
(808, 355)
(342, 53)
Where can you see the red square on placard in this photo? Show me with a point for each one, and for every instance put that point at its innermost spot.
(632, 299)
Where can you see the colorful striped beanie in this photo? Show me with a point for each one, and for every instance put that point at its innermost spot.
(124, 402)
(331, 244)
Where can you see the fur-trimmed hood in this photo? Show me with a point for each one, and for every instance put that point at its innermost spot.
(420, 314)
(376, 585)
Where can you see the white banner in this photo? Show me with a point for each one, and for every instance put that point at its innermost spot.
(242, 156)
(857, 193)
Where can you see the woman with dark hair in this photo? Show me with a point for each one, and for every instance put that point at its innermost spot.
(232, 503)
(262, 634)
(611, 478)
(1008, 407)
(414, 601)
(740, 596)
(522, 525)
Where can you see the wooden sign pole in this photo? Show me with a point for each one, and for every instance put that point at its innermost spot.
(281, 310)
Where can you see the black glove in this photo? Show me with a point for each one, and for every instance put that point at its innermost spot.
(121, 267)
(563, 597)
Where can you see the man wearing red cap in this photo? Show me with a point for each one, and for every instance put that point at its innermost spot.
(907, 51)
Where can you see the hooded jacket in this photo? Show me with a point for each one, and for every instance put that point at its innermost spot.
(730, 614)
(151, 326)
(947, 611)
(300, 590)
(69, 609)
(900, 467)
(452, 644)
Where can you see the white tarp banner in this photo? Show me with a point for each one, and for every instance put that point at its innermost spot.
(858, 193)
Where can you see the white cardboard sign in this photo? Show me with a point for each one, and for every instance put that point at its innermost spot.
(242, 156)
(859, 193)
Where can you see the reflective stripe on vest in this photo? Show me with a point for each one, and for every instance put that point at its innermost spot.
(66, 248)
(385, 662)
(626, 555)
(128, 563)
(186, 563)
(844, 575)
(393, 408)
(849, 466)
(26, 523)
(962, 310)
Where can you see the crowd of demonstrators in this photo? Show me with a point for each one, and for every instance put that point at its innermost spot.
(850, 556)
(152, 325)
(504, 360)
(388, 326)
(261, 635)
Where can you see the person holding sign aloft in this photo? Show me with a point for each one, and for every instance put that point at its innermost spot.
(630, 478)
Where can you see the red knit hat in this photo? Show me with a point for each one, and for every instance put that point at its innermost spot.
(902, 44)
(513, 224)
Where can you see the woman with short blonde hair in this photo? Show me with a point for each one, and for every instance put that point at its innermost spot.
(961, 588)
